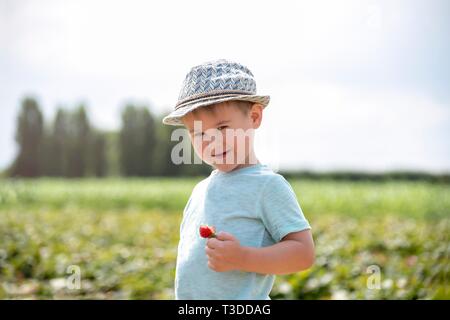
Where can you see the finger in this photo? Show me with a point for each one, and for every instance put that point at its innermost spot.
(210, 252)
(211, 266)
(225, 236)
(213, 243)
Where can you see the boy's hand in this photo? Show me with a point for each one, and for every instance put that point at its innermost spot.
(224, 253)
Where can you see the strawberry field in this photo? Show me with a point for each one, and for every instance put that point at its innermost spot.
(374, 240)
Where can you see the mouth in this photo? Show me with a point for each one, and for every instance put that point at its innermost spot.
(221, 155)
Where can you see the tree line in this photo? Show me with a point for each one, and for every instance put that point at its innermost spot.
(71, 146)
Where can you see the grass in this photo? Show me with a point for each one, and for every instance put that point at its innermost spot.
(356, 199)
(123, 234)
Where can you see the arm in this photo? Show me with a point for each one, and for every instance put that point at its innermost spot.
(295, 252)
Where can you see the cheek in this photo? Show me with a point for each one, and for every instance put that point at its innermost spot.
(197, 143)
(205, 148)
(202, 149)
(242, 144)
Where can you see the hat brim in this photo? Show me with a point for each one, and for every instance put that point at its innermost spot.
(174, 118)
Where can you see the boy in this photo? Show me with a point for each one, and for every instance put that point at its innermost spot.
(261, 228)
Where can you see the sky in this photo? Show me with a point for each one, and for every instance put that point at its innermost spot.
(354, 85)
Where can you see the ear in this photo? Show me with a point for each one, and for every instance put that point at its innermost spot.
(256, 112)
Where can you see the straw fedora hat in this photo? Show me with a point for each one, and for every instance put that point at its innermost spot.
(214, 82)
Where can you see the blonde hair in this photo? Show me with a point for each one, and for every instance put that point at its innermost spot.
(243, 106)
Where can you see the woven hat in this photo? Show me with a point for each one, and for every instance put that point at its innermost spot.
(213, 82)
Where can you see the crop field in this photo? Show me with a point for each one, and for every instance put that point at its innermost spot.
(374, 240)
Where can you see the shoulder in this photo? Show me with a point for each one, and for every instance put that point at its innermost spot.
(277, 189)
(201, 185)
(276, 180)
(197, 193)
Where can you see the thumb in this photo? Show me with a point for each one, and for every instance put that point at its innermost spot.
(225, 236)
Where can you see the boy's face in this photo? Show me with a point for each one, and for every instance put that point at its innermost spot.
(222, 135)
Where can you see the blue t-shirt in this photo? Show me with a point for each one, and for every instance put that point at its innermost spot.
(252, 203)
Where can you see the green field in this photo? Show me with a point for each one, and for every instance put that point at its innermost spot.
(123, 235)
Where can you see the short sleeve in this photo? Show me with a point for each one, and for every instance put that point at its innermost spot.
(281, 212)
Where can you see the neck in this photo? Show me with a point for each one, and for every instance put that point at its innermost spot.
(249, 161)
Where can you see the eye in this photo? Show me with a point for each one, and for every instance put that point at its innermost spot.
(222, 128)
(199, 134)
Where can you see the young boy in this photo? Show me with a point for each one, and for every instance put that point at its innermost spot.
(261, 230)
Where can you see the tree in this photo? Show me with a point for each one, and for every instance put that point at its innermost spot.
(98, 154)
(78, 144)
(137, 141)
(58, 143)
(29, 137)
(164, 165)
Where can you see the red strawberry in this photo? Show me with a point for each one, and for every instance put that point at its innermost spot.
(207, 231)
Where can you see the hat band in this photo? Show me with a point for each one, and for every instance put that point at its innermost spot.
(208, 95)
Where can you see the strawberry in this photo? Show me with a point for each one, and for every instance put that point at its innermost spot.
(207, 231)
